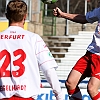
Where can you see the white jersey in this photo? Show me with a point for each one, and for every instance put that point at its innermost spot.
(91, 17)
(22, 55)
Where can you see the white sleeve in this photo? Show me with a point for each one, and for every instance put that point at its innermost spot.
(44, 56)
(52, 79)
(93, 16)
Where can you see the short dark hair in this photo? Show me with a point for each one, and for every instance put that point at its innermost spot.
(16, 9)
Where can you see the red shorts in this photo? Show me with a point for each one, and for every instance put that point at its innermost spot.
(89, 65)
(17, 98)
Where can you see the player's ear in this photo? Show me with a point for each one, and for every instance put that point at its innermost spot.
(25, 16)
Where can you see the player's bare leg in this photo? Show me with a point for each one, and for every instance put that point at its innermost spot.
(72, 85)
(93, 86)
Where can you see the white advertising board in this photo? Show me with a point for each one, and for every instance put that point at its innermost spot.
(47, 94)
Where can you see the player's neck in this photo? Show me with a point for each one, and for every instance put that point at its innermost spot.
(17, 24)
(20, 24)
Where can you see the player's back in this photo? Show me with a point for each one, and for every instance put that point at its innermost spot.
(19, 73)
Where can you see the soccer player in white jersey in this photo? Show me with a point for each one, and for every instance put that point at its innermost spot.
(89, 64)
(22, 55)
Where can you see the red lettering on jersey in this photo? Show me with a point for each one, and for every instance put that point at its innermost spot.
(23, 87)
(18, 87)
(23, 36)
(6, 87)
(12, 87)
(12, 36)
(6, 36)
(2, 88)
(18, 36)
(18, 62)
(3, 68)
(1, 36)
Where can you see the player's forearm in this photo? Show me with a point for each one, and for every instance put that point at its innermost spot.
(52, 78)
(78, 18)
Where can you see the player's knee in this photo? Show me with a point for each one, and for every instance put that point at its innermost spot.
(91, 88)
(68, 84)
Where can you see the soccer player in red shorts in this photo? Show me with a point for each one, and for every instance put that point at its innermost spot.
(22, 55)
(89, 64)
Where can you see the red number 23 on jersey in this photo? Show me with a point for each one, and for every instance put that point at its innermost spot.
(3, 68)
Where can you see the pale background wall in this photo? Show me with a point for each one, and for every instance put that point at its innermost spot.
(36, 25)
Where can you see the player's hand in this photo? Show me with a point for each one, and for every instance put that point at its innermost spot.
(57, 12)
(59, 96)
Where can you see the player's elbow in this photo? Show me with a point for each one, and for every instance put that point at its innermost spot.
(80, 19)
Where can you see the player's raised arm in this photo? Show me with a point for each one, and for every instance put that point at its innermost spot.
(83, 65)
(78, 18)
